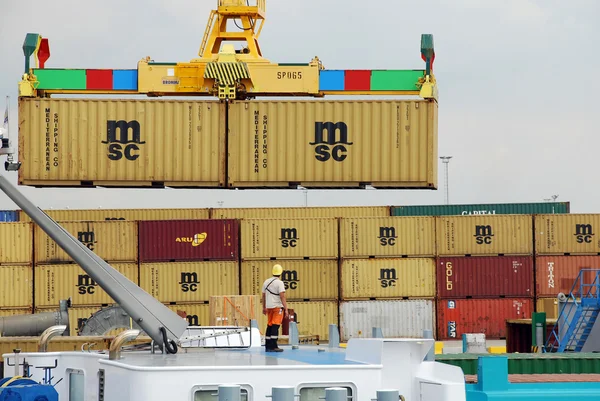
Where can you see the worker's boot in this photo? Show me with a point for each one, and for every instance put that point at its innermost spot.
(274, 336)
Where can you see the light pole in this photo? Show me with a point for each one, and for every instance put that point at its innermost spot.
(446, 160)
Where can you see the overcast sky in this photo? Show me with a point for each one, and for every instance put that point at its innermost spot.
(518, 82)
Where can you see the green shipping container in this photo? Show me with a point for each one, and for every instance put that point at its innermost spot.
(389, 80)
(476, 209)
(559, 363)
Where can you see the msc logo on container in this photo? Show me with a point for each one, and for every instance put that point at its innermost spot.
(583, 233)
(196, 240)
(123, 145)
(387, 277)
(387, 236)
(85, 284)
(290, 279)
(193, 320)
(289, 237)
(331, 146)
(483, 234)
(87, 238)
(189, 282)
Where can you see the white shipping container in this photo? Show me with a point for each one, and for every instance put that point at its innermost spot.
(396, 318)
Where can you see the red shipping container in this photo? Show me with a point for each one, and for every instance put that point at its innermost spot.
(456, 317)
(180, 240)
(489, 276)
(554, 274)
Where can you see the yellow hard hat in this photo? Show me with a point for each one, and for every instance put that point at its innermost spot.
(277, 270)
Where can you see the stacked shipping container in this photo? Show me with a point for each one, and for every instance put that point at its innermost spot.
(387, 275)
(485, 273)
(564, 245)
(183, 263)
(307, 249)
(16, 267)
(58, 277)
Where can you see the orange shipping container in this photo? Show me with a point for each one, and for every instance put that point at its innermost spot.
(387, 278)
(303, 279)
(113, 241)
(567, 234)
(339, 143)
(555, 274)
(484, 235)
(16, 287)
(189, 281)
(122, 214)
(299, 212)
(16, 243)
(118, 142)
(314, 238)
(56, 282)
(387, 237)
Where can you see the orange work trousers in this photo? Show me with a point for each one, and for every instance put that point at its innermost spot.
(275, 316)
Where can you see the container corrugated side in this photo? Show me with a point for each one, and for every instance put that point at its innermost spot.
(9, 215)
(572, 234)
(346, 143)
(16, 243)
(486, 276)
(315, 238)
(113, 241)
(299, 212)
(484, 235)
(197, 314)
(189, 281)
(387, 278)
(456, 317)
(314, 318)
(16, 311)
(387, 237)
(556, 274)
(56, 282)
(185, 240)
(123, 214)
(303, 279)
(482, 209)
(61, 344)
(117, 142)
(16, 287)
(398, 318)
(548, 305)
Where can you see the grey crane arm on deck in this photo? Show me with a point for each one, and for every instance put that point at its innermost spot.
(153, 317)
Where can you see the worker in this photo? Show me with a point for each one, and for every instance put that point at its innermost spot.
(275, 307)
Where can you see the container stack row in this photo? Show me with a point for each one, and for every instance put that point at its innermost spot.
(357, 267)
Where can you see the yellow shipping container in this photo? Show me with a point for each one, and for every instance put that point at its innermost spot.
(484, 235)
(117, 142)
(299, 212)
(15, 311)
(303, 279)
(573, 234)
(189, 281)
(314, 238)
(61, 344)
(338, 143)
(16, 243)
(114, 241)
(123, 214)
(16, 286)
(314, 318)
(387, 237)
(198, 314)
(56, 282)
(387, 278)
(548, 305)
